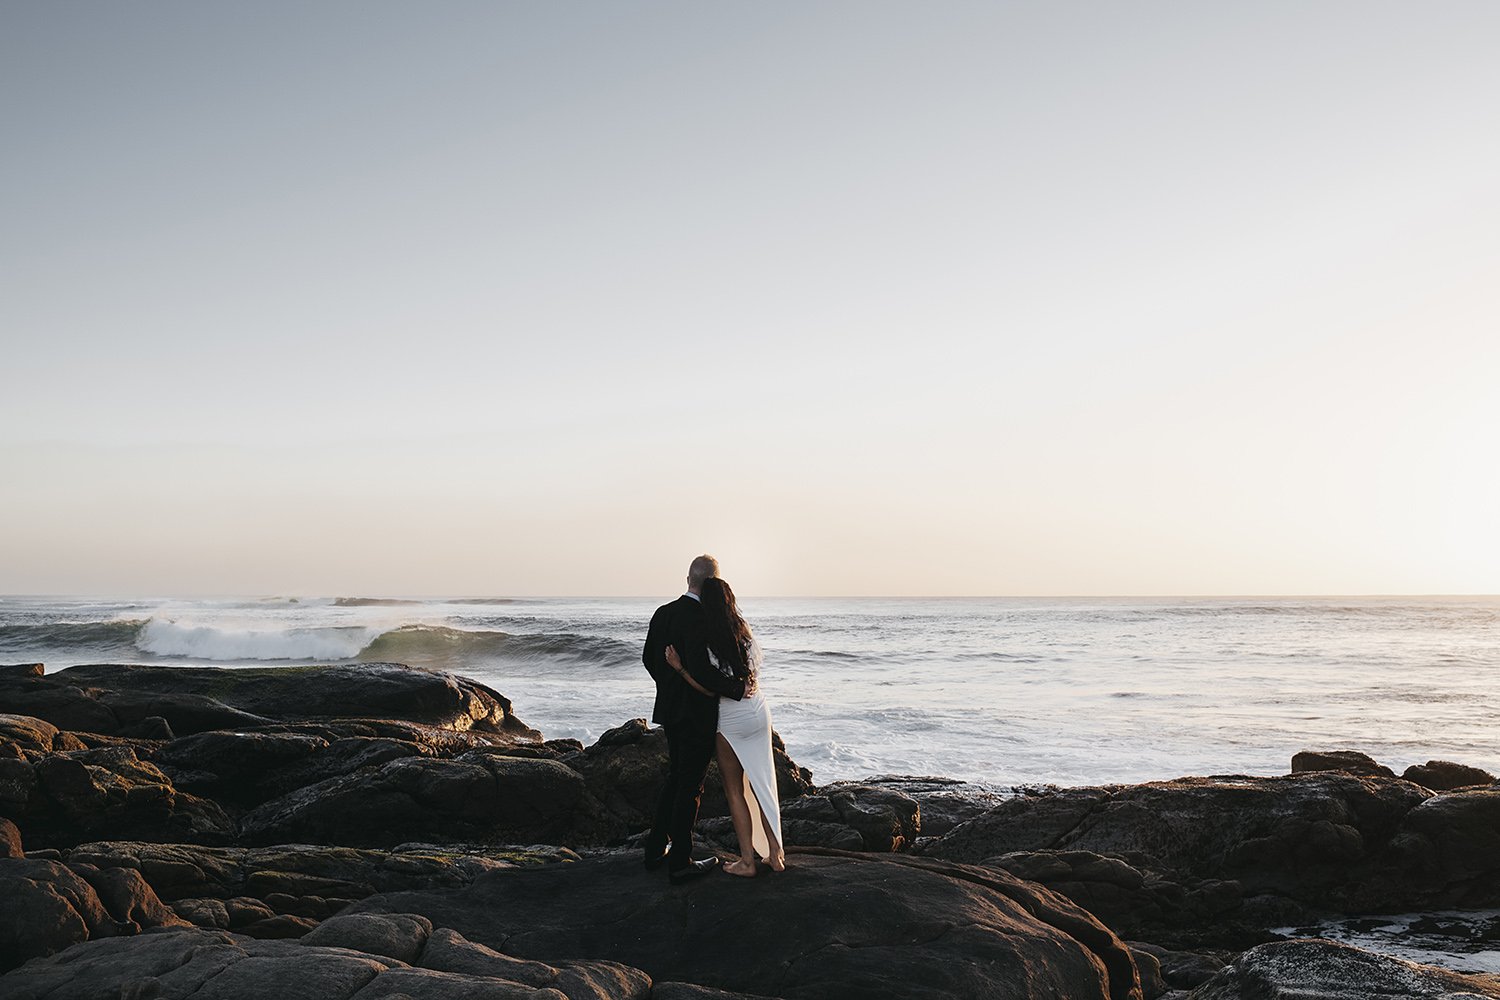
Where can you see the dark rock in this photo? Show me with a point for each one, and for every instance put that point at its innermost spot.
(834, 924)
(1455, 838)
(22, 670)
(1323, 970)
(127, 897)
(687, 991)
(401, 936)
(1149, 967)
(10, 840)
(881, 818)
(278, 927)
(181, 871)
(1345, 761)
(208, 965)
(109, 698)
(215, 965)
(26, 733)
(77, 795)
(944, 802)
(1444, 775)
(1134, 899)
(209, 913)
(1226, 859)
(448, 951)
(47, 907)
(478, 797)
(1181, 970)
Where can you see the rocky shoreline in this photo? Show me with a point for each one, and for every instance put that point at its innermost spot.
(376, 830)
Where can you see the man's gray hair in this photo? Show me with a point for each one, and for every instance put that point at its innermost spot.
(702, 569)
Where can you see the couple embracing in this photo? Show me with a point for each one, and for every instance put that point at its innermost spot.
(706, 664)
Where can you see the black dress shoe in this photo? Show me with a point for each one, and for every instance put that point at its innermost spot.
(654, 857)
(694, 869)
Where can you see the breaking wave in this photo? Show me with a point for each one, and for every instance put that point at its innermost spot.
(424, 644)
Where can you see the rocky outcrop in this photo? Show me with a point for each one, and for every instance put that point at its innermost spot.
(1235, 856)
(834, 925)
(60, 798)
(342, 960)
(1323, 970)
(1445, 776)
(121, 699)
(479, 796)
(1345, 761)
(49, 906)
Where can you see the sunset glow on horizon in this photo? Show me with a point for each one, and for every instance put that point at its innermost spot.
(865, 299)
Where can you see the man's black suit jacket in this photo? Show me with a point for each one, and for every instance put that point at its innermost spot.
(681, 624)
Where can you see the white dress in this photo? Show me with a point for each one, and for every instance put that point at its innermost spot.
(746, 726)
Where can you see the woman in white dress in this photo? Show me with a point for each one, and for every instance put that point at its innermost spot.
(745, 760)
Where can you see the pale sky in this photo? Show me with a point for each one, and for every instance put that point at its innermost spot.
(864, 298)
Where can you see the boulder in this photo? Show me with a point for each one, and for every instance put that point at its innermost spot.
(111, 698)
(76, 795)
(49, 906)
(835, 924)
(478, 797)
(1346, 761)
(1323, 970)
(401, 936)
(1444, 775)
(25, 733)
(1451, 845)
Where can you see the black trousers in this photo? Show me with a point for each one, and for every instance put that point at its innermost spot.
(689, 749)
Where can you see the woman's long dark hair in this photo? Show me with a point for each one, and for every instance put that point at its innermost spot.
(728, 635)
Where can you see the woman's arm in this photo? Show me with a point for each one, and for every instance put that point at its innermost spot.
(676, 664)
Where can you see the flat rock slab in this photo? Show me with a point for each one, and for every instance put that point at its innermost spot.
(833, 925)
(119, 698)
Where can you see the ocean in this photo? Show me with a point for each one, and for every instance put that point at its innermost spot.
(998, 691)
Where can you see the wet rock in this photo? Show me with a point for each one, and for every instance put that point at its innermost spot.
(1323, 970)
(878, 817)
(1345, 761)
(834, 924)
(1445, 776)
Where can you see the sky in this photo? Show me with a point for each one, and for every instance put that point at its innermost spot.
(861, 297)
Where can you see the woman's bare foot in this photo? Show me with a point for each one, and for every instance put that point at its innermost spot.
(777, 862)
(742, 868)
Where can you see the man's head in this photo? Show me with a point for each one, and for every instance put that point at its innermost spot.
(702, 568)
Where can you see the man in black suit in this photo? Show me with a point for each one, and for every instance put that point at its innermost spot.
(691, 720)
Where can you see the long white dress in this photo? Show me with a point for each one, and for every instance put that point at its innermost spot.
(746, 725)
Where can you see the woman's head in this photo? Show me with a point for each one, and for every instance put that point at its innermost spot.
(728, 634)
